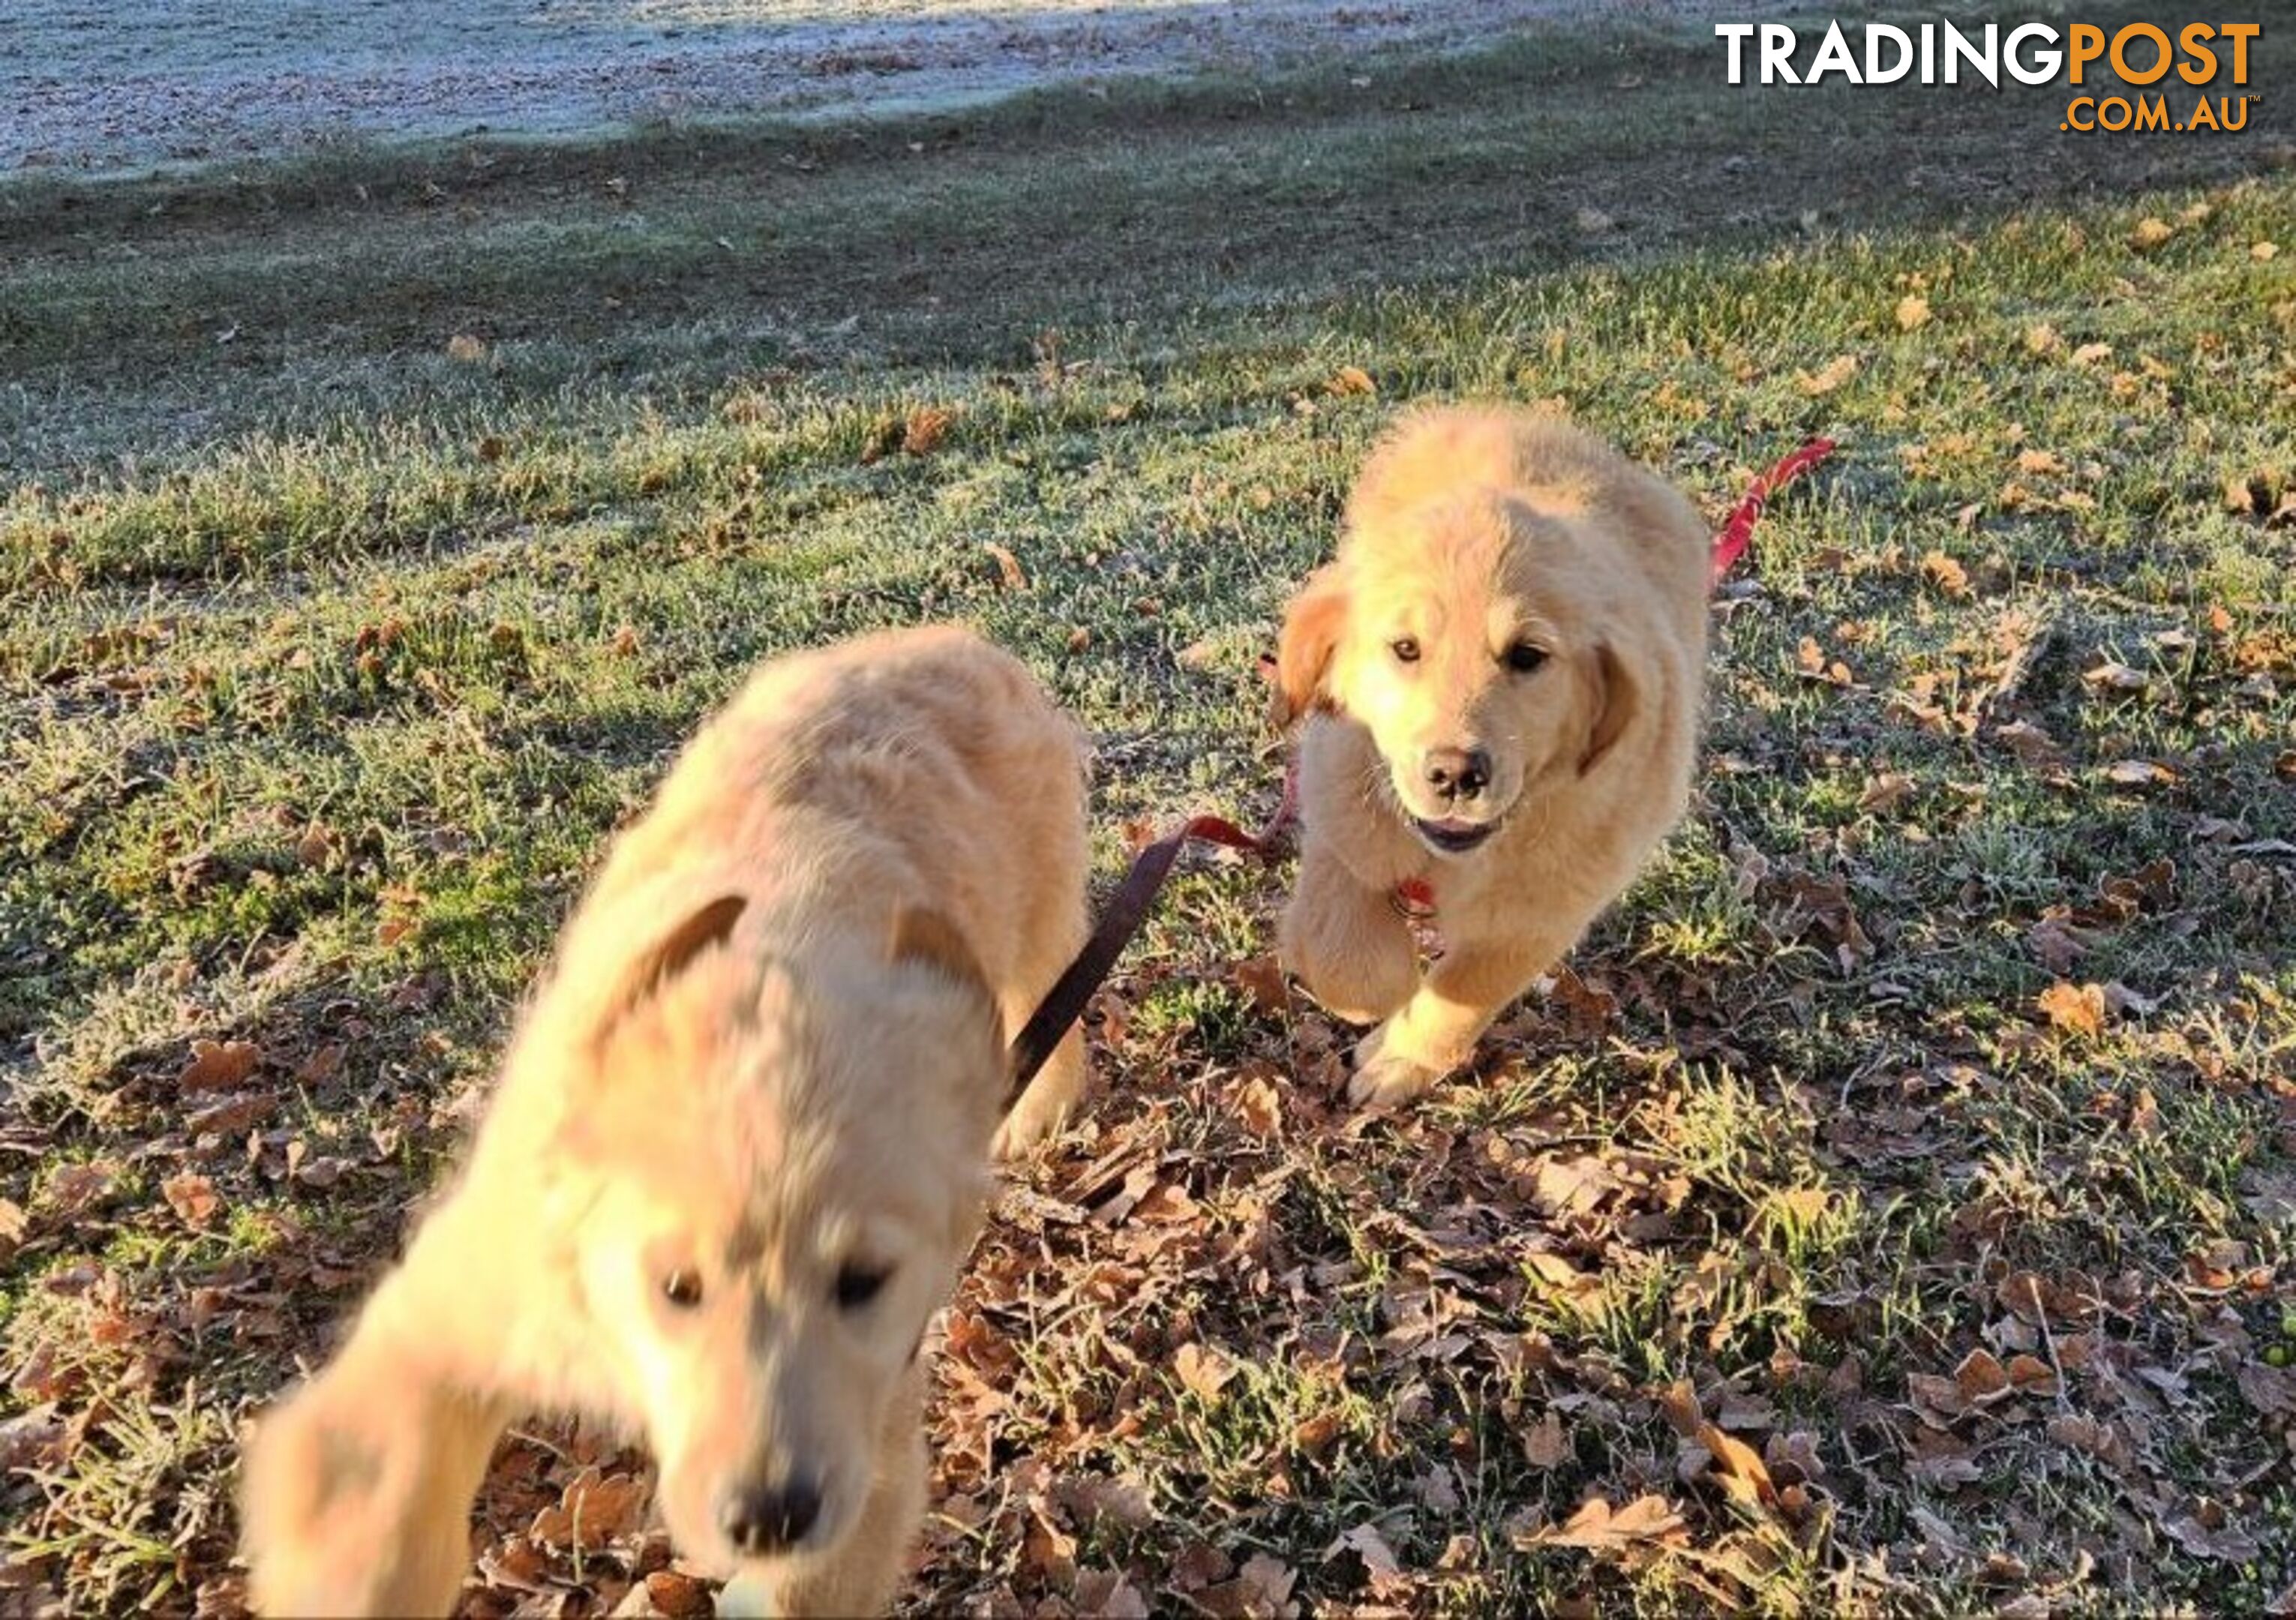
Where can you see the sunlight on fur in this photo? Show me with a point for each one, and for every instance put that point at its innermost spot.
(739, 1149)
(1500, 678)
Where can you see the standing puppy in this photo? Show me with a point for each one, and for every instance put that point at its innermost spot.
(739, 1152)
(1501, 677)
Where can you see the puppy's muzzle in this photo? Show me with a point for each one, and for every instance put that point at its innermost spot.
(763, 1519)
(1456, 782)
(1456, 776)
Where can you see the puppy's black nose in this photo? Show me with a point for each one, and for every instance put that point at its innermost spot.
(762, 1519)
(1457, 773)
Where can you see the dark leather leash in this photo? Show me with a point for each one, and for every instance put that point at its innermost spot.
(1415, 897)
(1126, 910)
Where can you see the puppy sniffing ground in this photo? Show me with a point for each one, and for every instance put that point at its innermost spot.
(1501, 675)
(739, 1152)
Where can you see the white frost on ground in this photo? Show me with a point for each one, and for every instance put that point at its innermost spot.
(96, 85)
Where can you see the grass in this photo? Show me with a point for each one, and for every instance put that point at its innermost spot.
(1954, 1027)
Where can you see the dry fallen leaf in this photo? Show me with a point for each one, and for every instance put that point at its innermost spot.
(1600, 1528)
(1943, 572)
(2151, 233)
(2114, 677)
(1124, 1500)
(193, 1198)
(679, 1597)
(1831, 376)
(75, 1189)
(1913, 313)
(230, 1116)
(1981, 1378)
(1737, 1468)
(2078, 1009)
(1545, 1444)
(1262, 979)
(1261, 1591)
(1202, 1368)
(1351, 379)
(1008, 565)
(321, 1173)
(1562, 1187)
(1884, 793)
(2031, 1375)
(592, 1510)
(2056, 943)
(316, 844)
(1259, 1106)
(1383, 1570)
(1314, 1437)
(1946, 1468)
(1813, 663)
(322, 1065)
(218, 1066)
(1271, 1577)
(2031, 743)
(1110, 1594)
(2138, 773)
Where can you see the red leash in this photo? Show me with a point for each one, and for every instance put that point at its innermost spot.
(1415, 897)
(1737, 533)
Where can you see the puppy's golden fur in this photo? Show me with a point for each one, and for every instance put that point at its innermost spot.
(739, 1151)
(1501, 677)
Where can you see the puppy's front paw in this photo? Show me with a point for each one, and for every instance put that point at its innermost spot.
(1042, 1110)
(749, 1596)
(1023, 1129)
(1385, 1079)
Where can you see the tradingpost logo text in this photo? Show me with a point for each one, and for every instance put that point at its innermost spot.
(2200, 67)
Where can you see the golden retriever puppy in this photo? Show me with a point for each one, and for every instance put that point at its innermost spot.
(739, 1152)
(1501, 675)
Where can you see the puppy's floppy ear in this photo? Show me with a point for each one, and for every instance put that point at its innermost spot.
(926, 937)
(670, 953)
(1613, 700)
(1303, 651)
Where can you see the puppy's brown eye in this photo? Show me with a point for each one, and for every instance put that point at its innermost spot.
(1406, 650)
(1522, 658)
(858, 1284)
(682, 1288)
